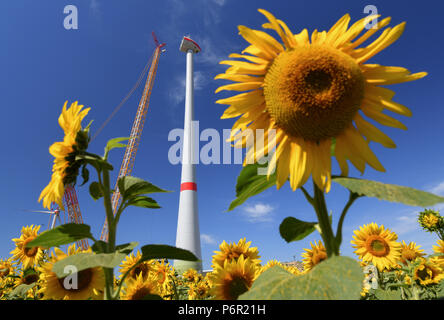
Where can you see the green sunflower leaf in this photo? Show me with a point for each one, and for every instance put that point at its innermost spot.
(143, 202)
(114, 143)
(87, 260)
(250, 183)
(292, 229)
(337, 278)
(389, 192)
(131, 186)
(161, 251)
(64, 234)
(21, 290)
(388, 294)
(85, 175)
(95, 191)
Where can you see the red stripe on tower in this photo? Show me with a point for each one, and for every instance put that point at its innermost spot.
(188, 186)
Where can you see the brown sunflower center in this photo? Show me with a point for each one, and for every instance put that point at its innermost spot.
(4, 271)
(408, 254)
(140, 269)
(84, 279)
(236, 286)
(313, 92)
(31, 278)
(424, 273)
(29, 252)
(318, 257)
(377, 246)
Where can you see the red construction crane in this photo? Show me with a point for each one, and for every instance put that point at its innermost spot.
(72, 207)
(136, 131)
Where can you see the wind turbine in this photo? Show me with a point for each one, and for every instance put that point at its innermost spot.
(53, 216)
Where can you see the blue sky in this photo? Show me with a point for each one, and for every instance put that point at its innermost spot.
(43, 65)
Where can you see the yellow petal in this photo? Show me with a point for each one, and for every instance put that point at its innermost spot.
(276, 26)
(382, 118)
(263, 41)
(245, 86)
(373, 133)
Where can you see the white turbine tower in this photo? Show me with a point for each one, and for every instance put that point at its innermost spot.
(188, 235)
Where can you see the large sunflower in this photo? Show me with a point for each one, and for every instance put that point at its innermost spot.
(29, 257)
(234, 278)
(377, 245)
(233, 251)
(314, 256)
(65, 167)
(310, 91)
(90, 282)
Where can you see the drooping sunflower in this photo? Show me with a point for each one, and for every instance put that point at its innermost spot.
(377, 245)
(428, 273)
(140, 287)
(65, 168)
(310, 92)
(88, 283)
(142, 268)
(234, 278)
(314, 256)
(29, 257)
(410, 252)
(430, 220)
(233, 251)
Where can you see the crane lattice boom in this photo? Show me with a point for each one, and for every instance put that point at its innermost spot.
(136, 132)
(72, 207)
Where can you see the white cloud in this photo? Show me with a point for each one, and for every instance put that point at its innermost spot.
(209, 54)
(259, 212)
(438, 189)
(177, 92)
(207, 239)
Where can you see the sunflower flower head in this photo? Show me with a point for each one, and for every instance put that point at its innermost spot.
(410, 252)
(439, 250)
(378, 245)
(234, 251)
(86, 284)
(128, 264)
(427, 272)
(140, 287)
(234, 278)
(28, 257)
(310, 90)
(7, 268)
(430, 220)
(314, 256)
(66, 168)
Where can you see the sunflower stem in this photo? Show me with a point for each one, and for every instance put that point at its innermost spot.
(109, 272)
(324, 222)
(353, 196)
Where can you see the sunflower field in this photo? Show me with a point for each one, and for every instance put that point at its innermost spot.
(314, 95)
(386, 269)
